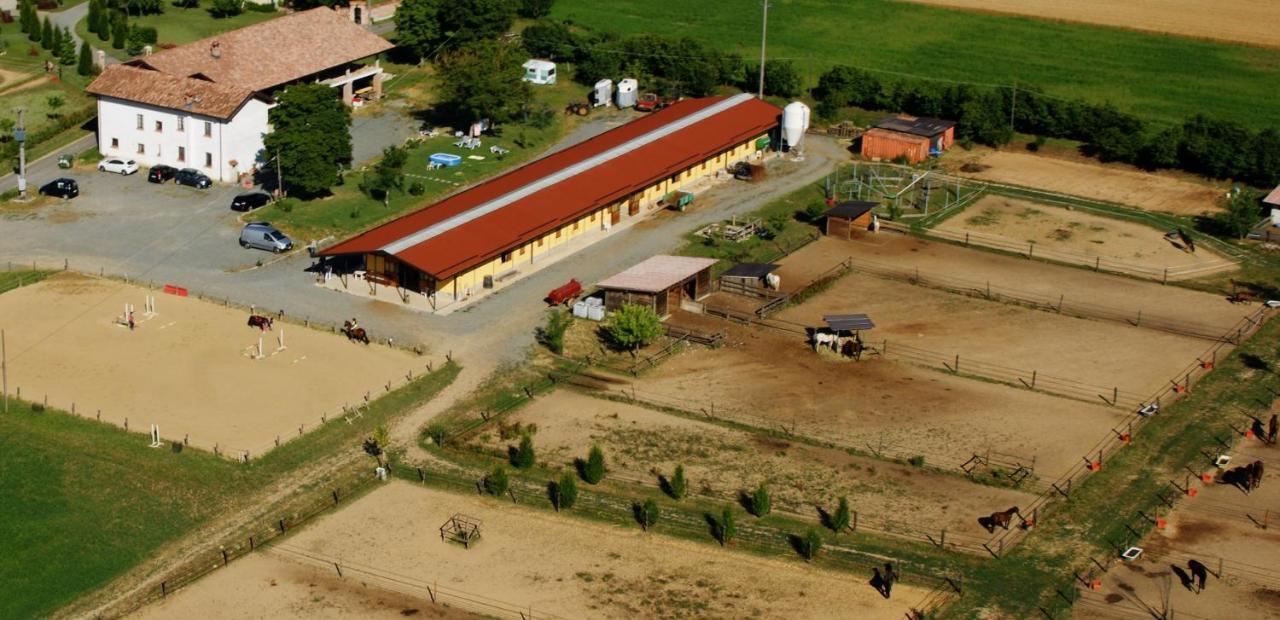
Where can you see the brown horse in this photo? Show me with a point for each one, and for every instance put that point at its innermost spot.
(261, 322)
(354, 333)
(1272, 429)
(1239, 476)
(1255, 475)
(1001, 519)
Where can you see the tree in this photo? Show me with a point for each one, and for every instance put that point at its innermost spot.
(34, 31)
(388, 174)
(67, 48)
(1239, 214)
(633, 326)
(781, 78)
(46, 34)
(85, 66)
(226, 8)
(139, 38)
(593, 469)
(840, 518)
(523, 456)
(94, 8)
(646, 513)
(760, 503)
(55, 45)
(563, 492)
(54, 102)
(418, 26)
(551, 336)
(376, 443)
(496, 483)
(484, 80)
(311, 136)
(535, 9)
(119, 31)
(677, 487)
(1264, 165)
(726, 528)
(6, 129)
(187, 4)
(809, 545)
(468, 21)
(549, 39)
(24, 15)
(103, 26)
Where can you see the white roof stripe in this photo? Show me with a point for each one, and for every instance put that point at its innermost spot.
(563, 174)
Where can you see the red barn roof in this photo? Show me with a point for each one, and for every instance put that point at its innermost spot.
(472, 226)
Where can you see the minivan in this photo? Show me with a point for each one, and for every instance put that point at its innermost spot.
(264, 236)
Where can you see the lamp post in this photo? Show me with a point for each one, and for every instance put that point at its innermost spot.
(20, 134)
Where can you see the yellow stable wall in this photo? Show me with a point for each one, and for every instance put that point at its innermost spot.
(528, 253)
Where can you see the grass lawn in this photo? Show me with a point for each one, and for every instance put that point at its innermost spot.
(85, 502)
(1161, 78)
(348, 210)
(32, 88)
(179, 26)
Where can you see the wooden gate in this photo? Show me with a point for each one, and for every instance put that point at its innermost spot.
(615, 215)
(633, 207)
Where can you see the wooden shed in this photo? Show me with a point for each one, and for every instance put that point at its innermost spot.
(659, 282)
(849, 220)
(747, 278)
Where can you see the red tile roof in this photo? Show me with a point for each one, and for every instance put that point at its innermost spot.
(169, 91)
(479, 240)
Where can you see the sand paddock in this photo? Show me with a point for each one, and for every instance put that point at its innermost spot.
(560, 566)
(1111, 183)
(1238, 21)
(721, 462)
(185, 369)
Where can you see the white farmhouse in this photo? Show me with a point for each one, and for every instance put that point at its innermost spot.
(204, 105)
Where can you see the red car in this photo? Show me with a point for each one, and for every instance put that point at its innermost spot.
(650, 102)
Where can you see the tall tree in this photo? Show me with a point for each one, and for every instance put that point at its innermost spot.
(103, 26)
(467, 21)
(593, 469)
(119, 31)
(55, 45)
(34, 32)
(67, 47)
(497, 483)
(484, 80)
(646, 513)
(564, 492)
(760, 501)
(46, 34)
(726, 528)
(311, 136)
(387, 174)
(840, 518)
(523, 456)
(678, 487)
(1239, 214)
(633, 326)
(418, 26)
(85, 64)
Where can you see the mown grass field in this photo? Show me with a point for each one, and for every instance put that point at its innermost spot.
(179, 26)
(85, 501)
(1161, 78)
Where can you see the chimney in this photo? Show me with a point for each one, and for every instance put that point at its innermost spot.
(215, 50)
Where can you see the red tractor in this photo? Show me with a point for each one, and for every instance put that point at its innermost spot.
(651, 102)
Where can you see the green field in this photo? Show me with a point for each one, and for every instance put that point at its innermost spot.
(1161, 78)
(85, 502)
(179, 26)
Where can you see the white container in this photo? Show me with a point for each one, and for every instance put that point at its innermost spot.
(795, 121)
(595, 313)
(594, 302)
(602, 94)
(580, 309)
(627, 88)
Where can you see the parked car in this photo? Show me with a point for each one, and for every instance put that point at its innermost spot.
(650, 102)
(249, 202)
(62, 188)
(66, 160)
(161, 173)
(118, 166)
(193, 178)
(264, 236)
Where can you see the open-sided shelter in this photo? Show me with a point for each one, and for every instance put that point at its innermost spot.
(659, 282)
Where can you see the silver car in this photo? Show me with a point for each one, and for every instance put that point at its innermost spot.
(263, 236)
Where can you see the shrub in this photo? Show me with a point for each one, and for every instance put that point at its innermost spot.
(840, 518)
(496, 483)
(417, 189)
(564, 492)
(646, 513)
(226, 8)
(677, 487)
(259, 7)
(522, 457)
(552, 335)
(760, 502)
(814, 211)
(916, 461)
(809, 545)
(724, 529)
(593, 469)
(633, 326)
(437, 433)
(286, 205)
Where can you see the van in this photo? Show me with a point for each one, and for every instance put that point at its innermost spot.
(264, 236)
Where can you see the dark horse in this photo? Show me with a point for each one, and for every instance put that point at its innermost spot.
(1255, 475)
(261, 322)
(1001, 519)
(354, 333)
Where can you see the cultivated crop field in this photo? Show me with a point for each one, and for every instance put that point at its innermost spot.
(1164, 79)
(528, 560)
(187, 369)
(1240, 21)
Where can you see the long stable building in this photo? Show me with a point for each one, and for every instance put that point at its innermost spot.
(488, 233)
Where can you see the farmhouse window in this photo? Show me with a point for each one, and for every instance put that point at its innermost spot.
(139, 118)
(182, 153)
(182, 126)
(115, 143)
(159, 125)
(506, 257)
(142, 149)
(208, 160)
(208, 129)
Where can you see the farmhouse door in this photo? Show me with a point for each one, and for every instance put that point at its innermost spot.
(633, 207)
(615, 215)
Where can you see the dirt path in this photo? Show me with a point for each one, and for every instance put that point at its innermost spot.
(1240, 21)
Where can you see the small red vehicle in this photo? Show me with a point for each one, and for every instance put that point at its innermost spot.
(650, 102)
(565, 293)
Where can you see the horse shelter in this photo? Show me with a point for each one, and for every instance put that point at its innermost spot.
(659, 282)
(849, 220)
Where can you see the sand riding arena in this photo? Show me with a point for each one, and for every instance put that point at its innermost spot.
(190, 367)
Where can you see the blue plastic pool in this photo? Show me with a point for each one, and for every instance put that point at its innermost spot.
(446, 159)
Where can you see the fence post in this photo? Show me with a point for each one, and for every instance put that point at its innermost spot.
(1060, 298)
(1033, 379)
(1166, 276)
(338, 568)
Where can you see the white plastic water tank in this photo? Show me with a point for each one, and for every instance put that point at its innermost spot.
(627, 92)
(595, 313)
(795, 121)
(580, 309)
(603, 93)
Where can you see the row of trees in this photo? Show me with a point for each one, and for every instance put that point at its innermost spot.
(1212, 147)
(58, 41)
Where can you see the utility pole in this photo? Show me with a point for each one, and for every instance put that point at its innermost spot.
(764, 29)
(1013, 104)
(279, 176)
(20, 134)
(4, 370)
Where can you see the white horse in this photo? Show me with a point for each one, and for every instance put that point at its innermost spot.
(825, 340)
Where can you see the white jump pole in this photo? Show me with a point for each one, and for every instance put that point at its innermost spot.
(280, 341)
(155, 436)
(259, 347)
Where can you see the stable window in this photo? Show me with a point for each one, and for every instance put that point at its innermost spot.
(675, 178)
(182, 153)
(208, 160)
(208, 129)
(575, 224)
(558, 232)
(159, 125)
(506, 257)
(139, 117)
(522, 250)
(539, 241)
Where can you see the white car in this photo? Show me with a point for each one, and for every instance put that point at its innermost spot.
(118, 166)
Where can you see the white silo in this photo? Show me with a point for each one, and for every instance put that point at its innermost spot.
(627, 92)
(603, 93)
(795, 121)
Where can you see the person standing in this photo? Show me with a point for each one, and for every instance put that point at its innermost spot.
(890, 576)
